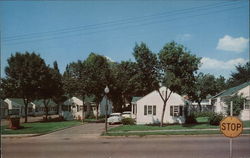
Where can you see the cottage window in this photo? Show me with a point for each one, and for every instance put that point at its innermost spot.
(176, 110)
(247, 104)
(150, 110)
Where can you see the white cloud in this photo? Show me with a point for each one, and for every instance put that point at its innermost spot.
(109, 59)
(228, 43)
(209, 63)
(184, 37)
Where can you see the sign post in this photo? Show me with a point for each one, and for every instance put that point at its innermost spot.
(231, 127)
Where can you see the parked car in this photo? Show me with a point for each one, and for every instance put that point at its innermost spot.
(115, 118)
(127, 114)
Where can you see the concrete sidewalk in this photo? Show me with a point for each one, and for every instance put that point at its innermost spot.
(174, 130)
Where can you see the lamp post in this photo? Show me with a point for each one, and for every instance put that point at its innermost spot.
(106, 90)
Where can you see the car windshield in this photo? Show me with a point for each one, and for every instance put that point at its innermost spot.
(114, 115)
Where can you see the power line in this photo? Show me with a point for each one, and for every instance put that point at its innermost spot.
(117, 22)
(153, 21)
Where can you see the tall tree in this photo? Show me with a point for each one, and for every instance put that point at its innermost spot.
(99, 76)
(241, 75)
(123, 83)
(50, 86)
(147, 69)
(177, 68)
(205, 85)
(59, 96)
(76, 79)
(23, 77)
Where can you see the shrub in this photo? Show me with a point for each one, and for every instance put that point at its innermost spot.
(215, 119)
(128, 121)
(203, 114)
(191, 119)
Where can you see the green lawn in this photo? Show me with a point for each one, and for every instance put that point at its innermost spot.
(202, 119)
(149, 127)
(202, 124)
(40, 127)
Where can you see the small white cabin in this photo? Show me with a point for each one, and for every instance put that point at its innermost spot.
(148, 109)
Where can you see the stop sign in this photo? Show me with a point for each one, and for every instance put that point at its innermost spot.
(231, 126)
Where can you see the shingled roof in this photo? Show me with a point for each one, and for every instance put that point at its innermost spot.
(232, 90)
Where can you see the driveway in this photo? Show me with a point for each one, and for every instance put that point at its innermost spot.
(88, 130)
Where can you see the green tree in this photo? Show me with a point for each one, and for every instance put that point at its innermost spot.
(50, 86)
(123, 83)
(205, 85)
(241, 75)
(59, 96)
(23, 77)
(177, 71)
(76, 80)
(99, 76)
(221, 83)
(238, 103)
(147, 69)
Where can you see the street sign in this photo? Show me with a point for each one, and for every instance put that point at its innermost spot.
(231, 127)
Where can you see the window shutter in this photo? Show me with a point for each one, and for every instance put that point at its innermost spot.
(181, 110)
(154, 110)
(171, 110)
(145, 110)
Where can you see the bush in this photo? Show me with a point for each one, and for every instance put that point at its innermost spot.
(215, 119)
(191, 119)
(203, 114)
(128, 121)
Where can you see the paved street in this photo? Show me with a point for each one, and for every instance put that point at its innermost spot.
(83, 141)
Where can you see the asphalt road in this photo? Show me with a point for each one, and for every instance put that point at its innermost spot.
(52, 146)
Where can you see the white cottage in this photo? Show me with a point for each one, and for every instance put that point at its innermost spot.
(148, 109)
(74, 105)
(219, 100)
(18, 104)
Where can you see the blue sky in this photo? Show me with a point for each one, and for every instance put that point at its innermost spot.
(66, 31)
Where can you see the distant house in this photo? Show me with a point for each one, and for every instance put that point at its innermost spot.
(206, 105)
(18, 104)
(4, 109)
(35, 108)
(219, 100)
(148, 109)
(75, 105)
(39, 107)
(134, 106)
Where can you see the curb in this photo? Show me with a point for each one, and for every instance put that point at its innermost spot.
(166, 136)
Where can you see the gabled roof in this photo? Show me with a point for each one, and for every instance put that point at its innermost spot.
(3, 103)
(87, 99)
(40, 102)
(135, 99)
(17, 100)
(232, 90)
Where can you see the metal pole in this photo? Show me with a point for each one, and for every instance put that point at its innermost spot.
(106, 111)
(231, 139)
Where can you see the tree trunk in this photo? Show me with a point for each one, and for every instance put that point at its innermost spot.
(164, 99)
(199, 105)
(83, 114)
(97, 109)
(26, 113)
(46, 108)
(26, 102)
(163, 113)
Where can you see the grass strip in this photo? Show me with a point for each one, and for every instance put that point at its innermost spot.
(39, 127)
